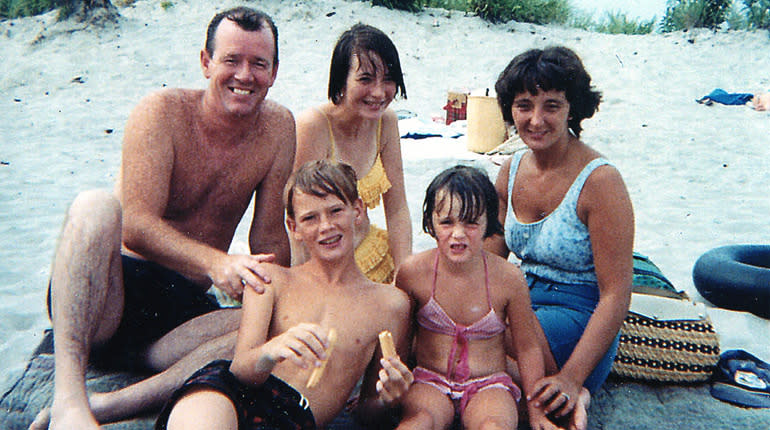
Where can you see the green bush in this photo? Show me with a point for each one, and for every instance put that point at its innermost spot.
(758, 13)
(582, 20)
(687, 14)
(618, 23)
(735, 18)
(17, 8)
(408, 5)
(461, 5)
(533, 11)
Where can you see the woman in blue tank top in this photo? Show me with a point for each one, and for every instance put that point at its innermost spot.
(568, 217)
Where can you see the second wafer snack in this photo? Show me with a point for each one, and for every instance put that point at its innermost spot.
(386, 344)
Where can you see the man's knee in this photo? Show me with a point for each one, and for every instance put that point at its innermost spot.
(96, 211)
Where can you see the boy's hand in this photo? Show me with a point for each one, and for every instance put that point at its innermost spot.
(304, 344)
(394, 380)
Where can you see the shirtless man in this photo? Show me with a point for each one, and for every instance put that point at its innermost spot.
(130, 272)
(283, 334)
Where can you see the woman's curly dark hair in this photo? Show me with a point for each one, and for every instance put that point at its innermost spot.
(553, 68)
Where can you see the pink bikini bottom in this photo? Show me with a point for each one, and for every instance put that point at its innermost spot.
(464, 391)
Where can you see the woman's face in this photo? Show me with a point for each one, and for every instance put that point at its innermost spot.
(541, 119)
(368, 88)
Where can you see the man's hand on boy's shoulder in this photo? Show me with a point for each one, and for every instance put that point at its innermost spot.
(232, 272)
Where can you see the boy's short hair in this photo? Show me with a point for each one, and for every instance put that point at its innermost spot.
(553, 68)
(475, 191)
(321, 178)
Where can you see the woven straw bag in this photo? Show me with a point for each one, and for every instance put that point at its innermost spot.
(665, 337)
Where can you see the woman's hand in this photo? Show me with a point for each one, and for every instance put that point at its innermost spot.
(555, 394)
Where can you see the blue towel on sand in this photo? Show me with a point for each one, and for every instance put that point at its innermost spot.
(417, 128)
(721, 96)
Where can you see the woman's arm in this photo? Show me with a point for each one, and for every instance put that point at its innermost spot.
(394, 200)
(496, 244)
(605, 207)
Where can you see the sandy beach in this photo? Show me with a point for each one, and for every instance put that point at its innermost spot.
(697, 174)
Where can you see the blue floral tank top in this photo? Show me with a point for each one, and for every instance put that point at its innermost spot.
(557, 247)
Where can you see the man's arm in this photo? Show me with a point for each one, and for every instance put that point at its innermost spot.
(144, 187)
(268, 233)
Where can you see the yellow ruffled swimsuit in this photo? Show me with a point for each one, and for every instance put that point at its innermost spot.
(373, 253)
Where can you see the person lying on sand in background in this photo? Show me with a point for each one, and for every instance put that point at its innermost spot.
(568, 217)
(131, 270)
(465, 296)
(761, 101)
(357, 127)
(285, 333)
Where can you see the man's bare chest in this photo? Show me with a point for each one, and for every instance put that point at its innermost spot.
(218, 179)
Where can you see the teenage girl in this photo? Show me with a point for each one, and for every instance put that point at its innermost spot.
(357, 127)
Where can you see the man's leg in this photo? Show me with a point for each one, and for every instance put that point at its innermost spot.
(86, 300)
(177, 356)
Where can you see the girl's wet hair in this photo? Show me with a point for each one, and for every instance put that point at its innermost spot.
(554, 68)
(321, 178)
(472, 188)
(363, 41)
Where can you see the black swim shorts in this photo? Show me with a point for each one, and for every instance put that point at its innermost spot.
(274, 405)
(157, 300)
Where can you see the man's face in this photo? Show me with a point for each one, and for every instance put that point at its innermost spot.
(241, 69)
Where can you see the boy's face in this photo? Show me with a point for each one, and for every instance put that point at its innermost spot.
(324, 224)
(457, 240)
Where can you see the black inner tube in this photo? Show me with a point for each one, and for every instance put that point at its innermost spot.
(736, 277)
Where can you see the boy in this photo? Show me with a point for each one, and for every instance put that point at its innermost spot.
(284, 332)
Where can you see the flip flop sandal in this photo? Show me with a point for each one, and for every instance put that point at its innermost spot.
(742, 379)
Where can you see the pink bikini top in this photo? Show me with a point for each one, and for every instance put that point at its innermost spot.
(433, 317)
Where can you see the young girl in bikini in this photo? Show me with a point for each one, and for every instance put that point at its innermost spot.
(464, 297)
